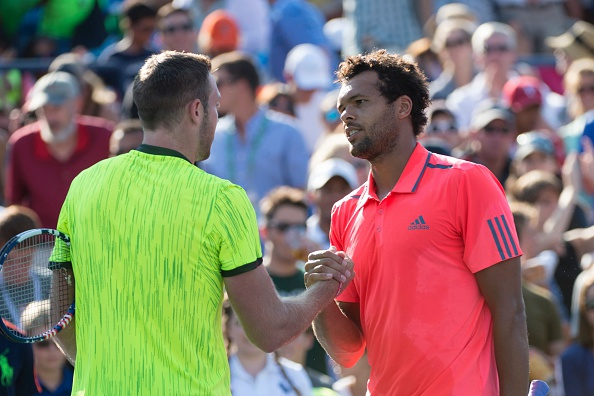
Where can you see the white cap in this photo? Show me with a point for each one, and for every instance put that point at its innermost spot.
(309, 65)
(326, 170)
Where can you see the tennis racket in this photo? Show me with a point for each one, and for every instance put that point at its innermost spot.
(36, 291)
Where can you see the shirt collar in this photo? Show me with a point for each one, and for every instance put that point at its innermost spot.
(409, 180)
(83, 139)
(156, 150)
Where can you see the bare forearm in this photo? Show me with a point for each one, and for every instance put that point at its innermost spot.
(66, 341)
(339, 336)
(511, 353)
(288, 317)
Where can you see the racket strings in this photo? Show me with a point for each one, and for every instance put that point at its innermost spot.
(27, 285)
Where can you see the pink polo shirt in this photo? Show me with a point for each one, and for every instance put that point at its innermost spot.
(427, 326)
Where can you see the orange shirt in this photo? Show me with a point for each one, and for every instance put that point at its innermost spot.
(427, 326)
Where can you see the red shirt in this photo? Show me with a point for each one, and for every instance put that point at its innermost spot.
(36, 179)
(427, 327)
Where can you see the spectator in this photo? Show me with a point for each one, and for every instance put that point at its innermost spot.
(308, 74)
(442, 128)
(523, 96)
(535, 151)
(44, 157)
(253, 147)
(329, 181)
(296, 351)
(574, 374)
(218, 34)
(579, 91)
(17, 366)
(492, 137)
(127, 135)
(283, 230)
(452, 44)
(13, 220)
(254, 372)
(330, 115)
(54, 374)
(127, 55)
(176, 29)
(17, 363)
(576, 43)
(286, 246)
(97, 99)
(294, 22)
(556, 202)
(493, 44)
(277, 96)
(421, 52)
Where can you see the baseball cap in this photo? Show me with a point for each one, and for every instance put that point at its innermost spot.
(219, 32)
(326, 170)
(53, 88)
(309, 65)
(532, 142)
(522, 92)
(487, 112)
(577, 42)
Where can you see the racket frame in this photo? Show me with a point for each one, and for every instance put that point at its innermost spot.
(6, 330)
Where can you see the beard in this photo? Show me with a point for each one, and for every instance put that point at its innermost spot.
(382, 140)
(49, 135)
(205, 138)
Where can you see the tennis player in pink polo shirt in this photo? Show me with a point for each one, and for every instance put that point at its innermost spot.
(436, 299)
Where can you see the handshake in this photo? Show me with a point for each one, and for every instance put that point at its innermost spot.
(330, 264)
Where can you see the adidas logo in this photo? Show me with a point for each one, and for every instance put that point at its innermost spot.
(418, 224)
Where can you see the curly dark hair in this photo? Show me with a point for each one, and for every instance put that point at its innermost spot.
(397, 77)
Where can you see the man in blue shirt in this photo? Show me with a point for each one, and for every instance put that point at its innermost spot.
(253, 147)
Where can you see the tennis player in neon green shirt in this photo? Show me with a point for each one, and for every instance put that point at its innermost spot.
(154, 240)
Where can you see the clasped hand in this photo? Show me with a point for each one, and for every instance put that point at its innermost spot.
(323, 265)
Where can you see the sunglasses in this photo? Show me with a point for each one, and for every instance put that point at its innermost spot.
(441, 127)
(492, 130)
(186, 27)
(590, 305)
(492, 48)
(586, 89)
(456, 42)
(285, 227)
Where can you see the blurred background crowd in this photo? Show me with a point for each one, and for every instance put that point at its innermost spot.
(512, 84)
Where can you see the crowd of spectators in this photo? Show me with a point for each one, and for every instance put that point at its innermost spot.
(512, 84)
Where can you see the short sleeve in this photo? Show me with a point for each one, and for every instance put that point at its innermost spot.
(484, 219)
(236, 228)
(60, 257)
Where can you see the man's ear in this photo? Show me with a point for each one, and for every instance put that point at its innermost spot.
(196, 111)
(403, 107)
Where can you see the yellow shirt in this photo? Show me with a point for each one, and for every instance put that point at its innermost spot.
(152, 236)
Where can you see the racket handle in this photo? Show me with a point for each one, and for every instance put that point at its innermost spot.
(538, 388)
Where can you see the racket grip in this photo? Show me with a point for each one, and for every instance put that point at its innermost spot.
(538, 388)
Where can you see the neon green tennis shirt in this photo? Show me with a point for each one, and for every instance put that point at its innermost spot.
(152, 237)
